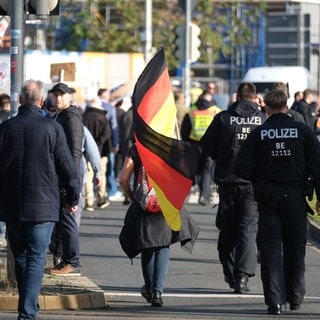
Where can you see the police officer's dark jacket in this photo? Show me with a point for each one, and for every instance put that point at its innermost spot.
(281, 151)
(34, 156)
(225, 135)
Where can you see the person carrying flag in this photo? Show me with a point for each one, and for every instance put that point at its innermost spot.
(148, 234)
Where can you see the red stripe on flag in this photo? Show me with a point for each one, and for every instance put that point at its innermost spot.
(155, 97)
(172, 183)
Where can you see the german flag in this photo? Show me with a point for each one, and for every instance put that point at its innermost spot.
(170, 163)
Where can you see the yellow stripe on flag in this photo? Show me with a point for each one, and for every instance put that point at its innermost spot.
(164, 120)
(171, 214)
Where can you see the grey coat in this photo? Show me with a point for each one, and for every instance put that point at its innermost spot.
(143, 230)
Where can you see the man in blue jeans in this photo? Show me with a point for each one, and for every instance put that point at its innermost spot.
(34, 157)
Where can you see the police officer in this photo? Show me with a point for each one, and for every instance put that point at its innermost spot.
(278, 157)
(237, 215)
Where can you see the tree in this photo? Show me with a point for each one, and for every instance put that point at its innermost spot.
(115, 26)
(225, 24)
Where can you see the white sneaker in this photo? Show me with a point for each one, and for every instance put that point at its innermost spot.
(116, 197)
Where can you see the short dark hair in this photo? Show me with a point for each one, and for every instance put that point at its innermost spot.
(246, 91)
(276, 99)
(101, 91)
(307, 92)
(297, 94)
(4, 98)
(282, 86)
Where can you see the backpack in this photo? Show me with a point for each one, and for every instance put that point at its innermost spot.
(144, 193)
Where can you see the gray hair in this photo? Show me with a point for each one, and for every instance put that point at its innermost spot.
(32, 92)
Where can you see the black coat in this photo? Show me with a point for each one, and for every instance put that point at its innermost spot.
(34, 155)
(96, 122)
(282, 152)
(71, 121)
(126, 134)
(144, 230)
(225, 135)
(309, 113)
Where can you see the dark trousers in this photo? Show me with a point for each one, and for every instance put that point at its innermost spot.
(204, 178)
(282, 237)
(65, 238)
(237, 220)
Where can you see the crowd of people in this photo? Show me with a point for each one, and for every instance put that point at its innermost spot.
(252, 153)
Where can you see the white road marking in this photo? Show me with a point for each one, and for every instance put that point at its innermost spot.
(196, 296)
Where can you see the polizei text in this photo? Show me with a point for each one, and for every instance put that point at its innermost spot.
(281, 133)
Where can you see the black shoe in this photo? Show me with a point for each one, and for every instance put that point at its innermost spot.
(294, 306)
(241, 285)
(156, 300)
(146, 294)
(230, 282)
(274, 309)
(126, 201)
(57, 260)
(105, 203)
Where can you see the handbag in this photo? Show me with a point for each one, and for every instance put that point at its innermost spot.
(145, 194)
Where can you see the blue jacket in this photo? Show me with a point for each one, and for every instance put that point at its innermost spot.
(34, 156)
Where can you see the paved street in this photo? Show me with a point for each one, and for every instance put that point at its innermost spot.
(194, 289)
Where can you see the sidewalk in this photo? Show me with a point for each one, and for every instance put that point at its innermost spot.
(57, 292)
(62, 293)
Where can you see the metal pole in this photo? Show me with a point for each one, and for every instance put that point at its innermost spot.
(16, 51)
(16, 61)
(148, 30)
(187, 55)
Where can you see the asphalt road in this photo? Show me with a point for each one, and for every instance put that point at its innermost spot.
(194, 288)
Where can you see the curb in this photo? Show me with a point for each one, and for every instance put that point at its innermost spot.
(62, 293)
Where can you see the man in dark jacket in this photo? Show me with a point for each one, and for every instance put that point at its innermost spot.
(34, 157)
(94, 118)
(70, 119)
(307, 109)
(237, 215)
(278, 158)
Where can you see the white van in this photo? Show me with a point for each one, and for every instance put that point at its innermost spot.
(264, 78)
